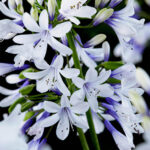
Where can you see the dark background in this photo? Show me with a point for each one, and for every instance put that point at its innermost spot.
(72, 142)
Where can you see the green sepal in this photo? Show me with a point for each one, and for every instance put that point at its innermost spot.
(27, 89)
(28, 115)
(18, 101)
(21, 76)
(26, 106)
(111, 65)
(113, 81)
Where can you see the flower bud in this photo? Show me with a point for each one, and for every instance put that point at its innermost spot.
(27, 89)
(103, 3)
(34, 13)
(106, 48)
(95, 40)
(143, 79)
(97, 3)
(103, 15)
(31, 2)
(51, 8)
(148, 2)
(138, 101)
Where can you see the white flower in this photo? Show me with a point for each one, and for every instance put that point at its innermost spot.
(9, 28)
(44, 35)
(50, 78)
(125, 26)
(74, 8)
(93, 86)
(11, 137)
(65, 115)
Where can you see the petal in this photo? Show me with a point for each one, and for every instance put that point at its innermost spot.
(5, 91)
(43, 20)
(6, 11)
(36, 75)
(77, 96)
(51, 107)
(65, 101)
(9, 100)
(79, 82)
(12, 79)
(103, 76)
(49, 121)
(74, 20)
(93, 103)
(91, 75)
(58, 62)
(85, 12)
(6, 68)
(62, 49)
(80, 108)
(79, 121)
(26, 38)
(63, 126)
(87, 60)
(70, 72)
(106, 90)
(61, 86)
(61, 30)
(41, 64)
(30, 23)
(99, 126)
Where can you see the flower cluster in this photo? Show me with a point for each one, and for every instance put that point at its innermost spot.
(67, 81)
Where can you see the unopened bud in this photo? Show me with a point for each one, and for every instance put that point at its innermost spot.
(31, 2)
(51, 8)
(95, 40)
(103, 15)
(143, 79)
(106, 48)
(103, 3)
(34, 13)
(97, 3)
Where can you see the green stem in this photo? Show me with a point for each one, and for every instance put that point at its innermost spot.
(94, 137)
(83, 139)
(74, 53)
(77, 65)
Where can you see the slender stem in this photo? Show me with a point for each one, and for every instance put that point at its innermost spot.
(74, 54)
(77, 65)
(94, 137)
(83, 139)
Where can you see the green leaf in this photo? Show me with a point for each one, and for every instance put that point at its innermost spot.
(26, 106)
(27, 89)
(112, 65)
(21, 76)
(113, 81)
(18, 101)
(29, 115)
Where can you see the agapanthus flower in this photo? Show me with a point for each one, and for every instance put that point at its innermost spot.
(93, 86)
(44, 35)
(65, 114)
(50, 78)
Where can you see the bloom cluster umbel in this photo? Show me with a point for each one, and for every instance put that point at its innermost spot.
(66, 95)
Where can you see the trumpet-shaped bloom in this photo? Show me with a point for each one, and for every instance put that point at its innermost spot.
(50, 78)
(125, 26)
(44, 35)
(94, 86)
(72, 9)
(65, 115)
